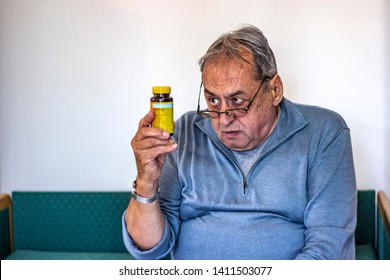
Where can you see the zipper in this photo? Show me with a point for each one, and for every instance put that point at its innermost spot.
(244, 178)
(245, 184)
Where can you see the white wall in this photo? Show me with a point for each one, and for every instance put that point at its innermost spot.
(76, 76)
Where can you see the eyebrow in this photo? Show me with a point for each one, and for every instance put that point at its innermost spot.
(230, 95)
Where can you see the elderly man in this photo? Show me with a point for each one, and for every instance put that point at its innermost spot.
(253, 176)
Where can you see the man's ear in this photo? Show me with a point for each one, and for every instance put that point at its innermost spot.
(276, 86)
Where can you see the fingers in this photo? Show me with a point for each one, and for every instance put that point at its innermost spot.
(148, 137)
(150, 146)
(150, 158)
(145, 128)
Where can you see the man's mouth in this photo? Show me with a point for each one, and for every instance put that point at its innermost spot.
(231, 134)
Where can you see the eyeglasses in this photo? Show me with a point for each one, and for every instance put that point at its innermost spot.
(232, 113)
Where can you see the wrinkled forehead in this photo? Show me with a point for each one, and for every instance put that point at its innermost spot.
(227, 70)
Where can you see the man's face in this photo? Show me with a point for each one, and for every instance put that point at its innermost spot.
(229, 84)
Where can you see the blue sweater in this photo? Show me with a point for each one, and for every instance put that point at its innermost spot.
(297, 202)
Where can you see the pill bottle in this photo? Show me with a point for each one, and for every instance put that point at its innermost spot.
(162, 105)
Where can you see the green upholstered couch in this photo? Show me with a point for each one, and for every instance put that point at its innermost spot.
(383, 227)
(372, 234)
(63, 225)
(365, 227)
(87, 225)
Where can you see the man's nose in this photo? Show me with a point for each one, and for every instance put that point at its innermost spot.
(225, 117)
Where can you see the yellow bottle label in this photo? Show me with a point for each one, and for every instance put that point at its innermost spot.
(163, 115)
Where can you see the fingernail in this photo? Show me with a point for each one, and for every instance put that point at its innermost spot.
(165, 134)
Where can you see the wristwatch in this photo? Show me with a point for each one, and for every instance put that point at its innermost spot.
(145, 200)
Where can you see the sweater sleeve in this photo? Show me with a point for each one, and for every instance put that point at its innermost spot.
(157, 252)
(330, 215)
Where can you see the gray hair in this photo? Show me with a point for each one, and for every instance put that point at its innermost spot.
(250, 38)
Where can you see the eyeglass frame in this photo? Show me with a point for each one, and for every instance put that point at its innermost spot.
(228, 113)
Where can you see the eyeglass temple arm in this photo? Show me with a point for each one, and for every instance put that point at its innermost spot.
(200, 89)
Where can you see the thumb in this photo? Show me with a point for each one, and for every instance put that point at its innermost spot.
(147, 120)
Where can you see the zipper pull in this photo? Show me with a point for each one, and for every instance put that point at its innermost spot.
(245, 184)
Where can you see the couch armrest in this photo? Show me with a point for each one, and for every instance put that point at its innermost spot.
(383, 226)
(6, 226)
(5, 201)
